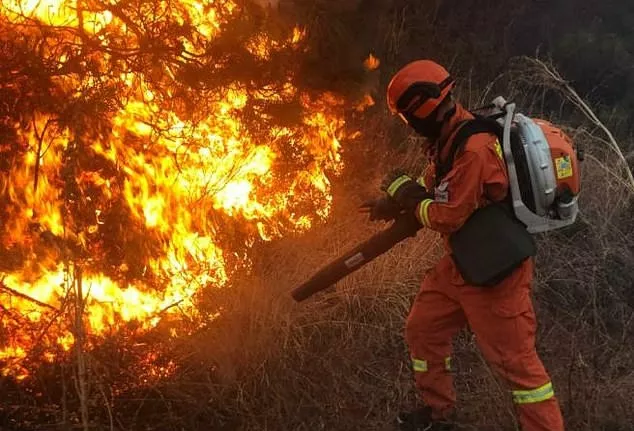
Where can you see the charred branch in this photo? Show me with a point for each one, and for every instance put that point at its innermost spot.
(21, 295)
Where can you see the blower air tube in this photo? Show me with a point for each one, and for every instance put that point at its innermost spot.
(404, 226)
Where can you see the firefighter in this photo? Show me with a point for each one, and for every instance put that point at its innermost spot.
(502, 316)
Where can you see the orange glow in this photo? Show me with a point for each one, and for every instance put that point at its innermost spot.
(298, 35)
(163, 179)
(371, 63)
(365, 103)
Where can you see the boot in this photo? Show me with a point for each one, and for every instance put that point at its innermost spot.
(421, 420)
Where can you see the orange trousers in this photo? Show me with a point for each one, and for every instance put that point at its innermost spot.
(503, 321)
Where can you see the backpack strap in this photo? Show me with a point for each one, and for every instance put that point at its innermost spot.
(466, 130)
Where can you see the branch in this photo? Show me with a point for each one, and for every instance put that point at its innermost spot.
(578, 101)
(40, 142)
(25, 296)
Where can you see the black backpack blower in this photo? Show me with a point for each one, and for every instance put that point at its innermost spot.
(405, 225)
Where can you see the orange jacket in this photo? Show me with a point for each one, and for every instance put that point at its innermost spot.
(478, 176)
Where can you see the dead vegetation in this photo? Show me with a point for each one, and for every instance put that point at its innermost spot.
(338, 362)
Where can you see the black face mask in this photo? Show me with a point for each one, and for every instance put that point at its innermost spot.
(429, 127)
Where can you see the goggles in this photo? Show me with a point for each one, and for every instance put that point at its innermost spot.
(417, 95)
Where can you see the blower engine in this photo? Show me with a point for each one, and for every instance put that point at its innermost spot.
(543, 170)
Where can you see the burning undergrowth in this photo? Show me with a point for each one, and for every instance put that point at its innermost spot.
(145, 147)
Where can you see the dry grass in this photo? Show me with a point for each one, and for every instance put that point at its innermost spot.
(339, 362)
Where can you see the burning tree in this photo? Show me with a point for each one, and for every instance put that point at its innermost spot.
(145, 146)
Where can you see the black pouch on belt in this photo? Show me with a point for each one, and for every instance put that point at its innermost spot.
(490, 245)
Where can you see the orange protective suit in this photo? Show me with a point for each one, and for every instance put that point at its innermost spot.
(502, 317)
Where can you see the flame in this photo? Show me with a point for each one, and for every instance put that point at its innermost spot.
(371, 63)
(161, 179)
(365, 103)
(298, 35)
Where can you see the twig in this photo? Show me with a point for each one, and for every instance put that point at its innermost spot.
(25, 296)
(40, 139)
(574, 97)
(107, 403)
(64, 396)
(607, 170)
(172, 305)
(79, 348)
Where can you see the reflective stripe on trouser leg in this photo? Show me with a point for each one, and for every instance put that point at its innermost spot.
(505, 326)
(419, 365)
(431, 325)
(536, 395)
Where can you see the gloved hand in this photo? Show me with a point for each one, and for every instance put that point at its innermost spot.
(404, 190)
(384, 209)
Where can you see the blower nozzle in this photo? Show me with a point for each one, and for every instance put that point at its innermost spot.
(404, 226)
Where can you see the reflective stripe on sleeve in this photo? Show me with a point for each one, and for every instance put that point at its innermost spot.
(538, 395)
(423, 212)
(397, 183)
(448, 363)
(498, 149)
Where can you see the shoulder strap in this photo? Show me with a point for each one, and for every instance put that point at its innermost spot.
(465, 131)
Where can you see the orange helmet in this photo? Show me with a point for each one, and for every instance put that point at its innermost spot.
(418, 89)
